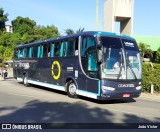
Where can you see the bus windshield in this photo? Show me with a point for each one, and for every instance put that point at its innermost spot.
(121, 59)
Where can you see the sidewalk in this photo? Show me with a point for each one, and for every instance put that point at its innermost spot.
(148, 96)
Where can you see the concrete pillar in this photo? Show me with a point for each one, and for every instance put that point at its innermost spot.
(120, 11)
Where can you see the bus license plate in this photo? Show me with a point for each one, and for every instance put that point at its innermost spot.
(126, 95)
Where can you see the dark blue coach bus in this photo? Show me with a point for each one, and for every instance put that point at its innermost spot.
(98, 65)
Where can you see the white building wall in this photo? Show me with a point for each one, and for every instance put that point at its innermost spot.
(9, 29)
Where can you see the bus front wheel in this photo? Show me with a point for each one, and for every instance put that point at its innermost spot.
(25, 81)
(71, 89)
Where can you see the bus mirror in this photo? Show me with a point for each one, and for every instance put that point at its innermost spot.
(99, 47)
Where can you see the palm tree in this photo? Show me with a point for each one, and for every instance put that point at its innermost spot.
(145, 50)
(69, 31)
(80, 30)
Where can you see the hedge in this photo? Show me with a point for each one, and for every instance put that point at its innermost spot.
(150, 76)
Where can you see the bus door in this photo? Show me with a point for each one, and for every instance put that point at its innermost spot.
(89, 66)
(92, 71)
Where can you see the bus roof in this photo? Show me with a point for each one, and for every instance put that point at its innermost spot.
(91, 33)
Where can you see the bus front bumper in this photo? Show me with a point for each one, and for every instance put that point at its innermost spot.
(110, 95)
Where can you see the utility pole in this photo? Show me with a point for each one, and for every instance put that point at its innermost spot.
(97, 15)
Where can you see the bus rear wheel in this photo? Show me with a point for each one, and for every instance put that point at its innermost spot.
(71, 89)
(25, 81)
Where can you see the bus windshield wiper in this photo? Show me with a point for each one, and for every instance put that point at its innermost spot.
(128, 65)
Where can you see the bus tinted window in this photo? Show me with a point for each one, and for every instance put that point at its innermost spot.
(49, 50)
(57, 48)
(91, 42)
(52, 50)
(86, 43)
(35, 52)
(71, 48)
(20, 54)
(84, 46)
(27, 52)
(45, 50)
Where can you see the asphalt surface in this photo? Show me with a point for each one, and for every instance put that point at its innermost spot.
(20, 104)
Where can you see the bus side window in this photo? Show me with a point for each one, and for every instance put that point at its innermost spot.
(45, 50)
(39, 51)
(49, 50)
(91, 42)
(15, 53)
(61, 49)
(84, 46)
(52, 50)
(24, 52)
(71, 48)
(19, 53)
(76, 47)
(35, 51)
(31, 52)
(27, 52)
(65, 48)
(57, 47)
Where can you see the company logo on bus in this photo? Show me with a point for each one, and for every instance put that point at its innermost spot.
(126, 85)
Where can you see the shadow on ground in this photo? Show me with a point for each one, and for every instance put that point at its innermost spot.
(47, 112)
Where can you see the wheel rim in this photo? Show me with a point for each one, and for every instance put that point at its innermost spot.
(25, 80)
(72, 89)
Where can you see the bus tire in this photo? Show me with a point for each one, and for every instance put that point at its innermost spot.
(71, 89)
(25, 81)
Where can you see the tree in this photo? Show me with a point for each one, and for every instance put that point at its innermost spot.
(46, 32)
(3, 19)
(158, 55)
(6, 48)
(145, 50)
(69, 31)
(80, 30)
(23, 25)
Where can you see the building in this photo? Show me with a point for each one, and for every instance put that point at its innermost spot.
(9, 29)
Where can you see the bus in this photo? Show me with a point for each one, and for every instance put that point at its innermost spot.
(98, 65)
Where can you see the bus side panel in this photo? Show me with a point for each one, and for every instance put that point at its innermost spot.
(71, 69)
(44, 71)
(28, 67)
(93, 86)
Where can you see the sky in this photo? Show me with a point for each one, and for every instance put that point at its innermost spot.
(77, 14)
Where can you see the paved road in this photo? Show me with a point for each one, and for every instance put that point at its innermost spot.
(36, 104)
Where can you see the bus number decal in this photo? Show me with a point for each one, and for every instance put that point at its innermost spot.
(56, 77)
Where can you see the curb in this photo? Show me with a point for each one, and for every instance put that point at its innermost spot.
(150, 96)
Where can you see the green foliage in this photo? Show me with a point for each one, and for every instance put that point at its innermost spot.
(6, 46)
(25, 30)
(23, 25)
(158, 55)
(80, 30)
(145, 50)
(3, 19)
(42, 32)
(69, 31)
(150, 76)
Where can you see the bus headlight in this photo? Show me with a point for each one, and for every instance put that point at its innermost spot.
(138, 88)
(108, 88)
